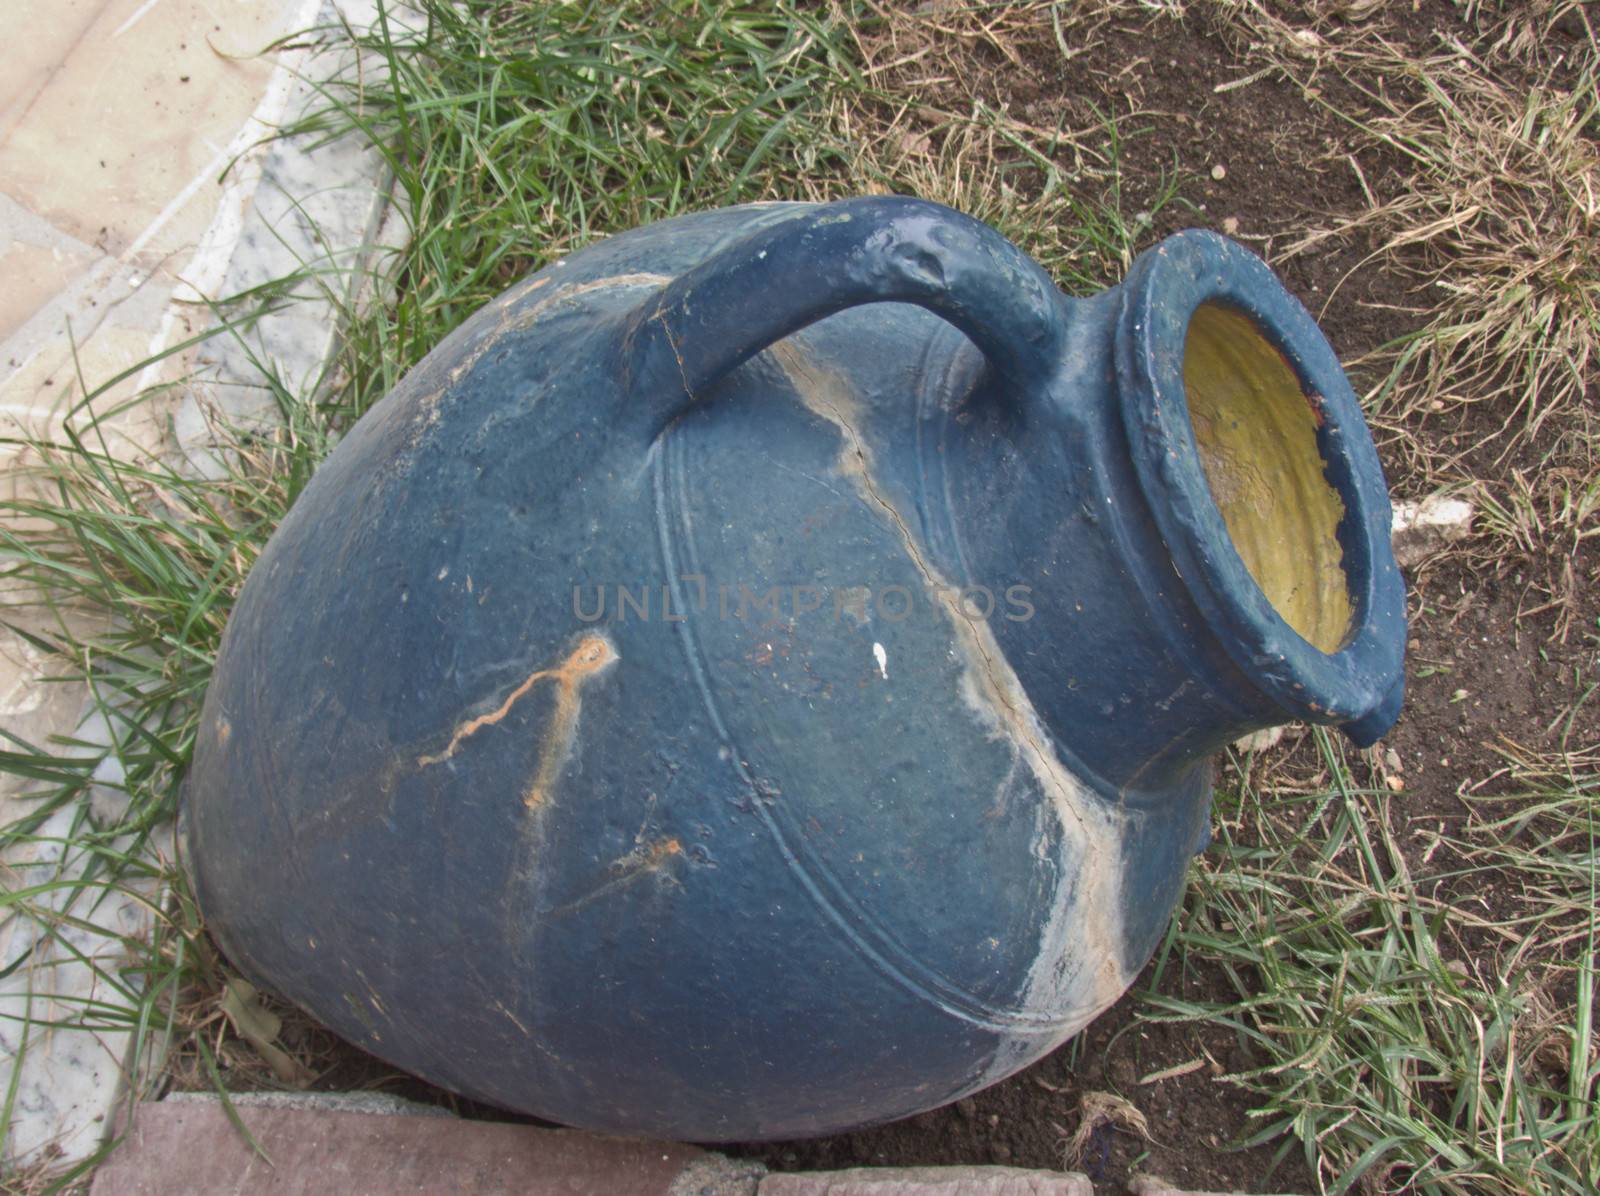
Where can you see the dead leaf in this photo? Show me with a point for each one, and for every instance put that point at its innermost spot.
(1100, 1108)
(259, 1026)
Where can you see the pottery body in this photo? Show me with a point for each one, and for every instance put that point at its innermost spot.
(758, 677)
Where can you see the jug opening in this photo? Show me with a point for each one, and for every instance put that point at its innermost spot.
(1255, 429)
(1261, 479)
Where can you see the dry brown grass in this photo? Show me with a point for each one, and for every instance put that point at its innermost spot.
(1494, 216)
(1489, 208)
(40, 1178)
(931, 121)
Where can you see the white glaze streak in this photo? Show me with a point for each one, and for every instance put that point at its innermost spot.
(1078, 969)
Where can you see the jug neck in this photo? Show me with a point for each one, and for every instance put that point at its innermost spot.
(1198, 510)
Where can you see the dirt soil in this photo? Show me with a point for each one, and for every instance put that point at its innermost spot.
(1485, 668)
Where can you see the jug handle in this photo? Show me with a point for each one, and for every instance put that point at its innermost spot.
(876, 249)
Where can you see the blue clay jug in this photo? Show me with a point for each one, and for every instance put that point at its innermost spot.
(758, 677)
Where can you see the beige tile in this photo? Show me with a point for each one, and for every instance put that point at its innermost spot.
(22, 684)
(34, 399)
(32, 707)
(39, 36)
(32, 275)
(120, 142)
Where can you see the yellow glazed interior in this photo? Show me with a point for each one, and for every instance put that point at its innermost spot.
(1256, 432)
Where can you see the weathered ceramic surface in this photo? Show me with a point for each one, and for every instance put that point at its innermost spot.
(758, 676)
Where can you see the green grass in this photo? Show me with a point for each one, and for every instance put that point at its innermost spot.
(1404, 1035)
(122, 572)
(1401, 1038)
(518, 132)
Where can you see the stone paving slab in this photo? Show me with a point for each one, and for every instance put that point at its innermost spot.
(1151, 1185)
(355, 1144)
(190, 1146)
(927, 1181)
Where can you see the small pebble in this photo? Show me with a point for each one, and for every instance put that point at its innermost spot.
(1231, 225)
(1219, 172)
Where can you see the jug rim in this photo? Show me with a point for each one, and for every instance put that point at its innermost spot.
(1165, 288)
